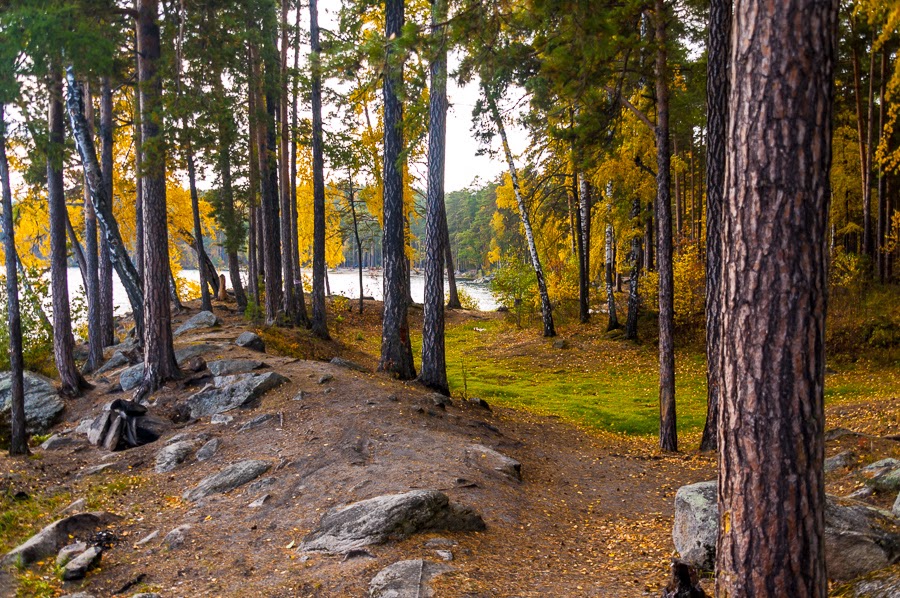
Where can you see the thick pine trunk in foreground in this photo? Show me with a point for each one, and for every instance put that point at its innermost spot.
(434, 361)
(668, 434)
(18, 442)
(771, 447)
(159, 356)
(102, 201)
(319, 324)
(71, 381)
(546, 308)
(716, 122)
(396, 346)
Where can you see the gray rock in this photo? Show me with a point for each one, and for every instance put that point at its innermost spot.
(261, 484)
(390, 517)
(487, 458)
(839, 461)
(324, 378)
(170, 456)
(75, 506)
(146, 595)
(227, 367)
(221, 418)
(43, 405)
(188, 352)
(49, 540)
(561, 344)
(147, 539)
(858, 538)
(131, 377)
(78, 595)
(862, 493)
(230, 392)
(440, 543)
(84, 426)
(208, 450)
(479, 403)
(896, 508)
(175, 538)
(116, 361)
(177, 438)
(250, 340)
(228, 478)
(204, 319)
(114, 434)
(259, 502)
(256, 422)
(695, 527)
(440, 400)
(95, 469)
(445, 555)
(57, 442)
(886, 585)
(350, 365)
(67, 553)
(881, 466)
(78, 567)
(888, 481)
(406, 579)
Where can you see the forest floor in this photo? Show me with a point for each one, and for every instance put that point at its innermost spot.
(592, 516)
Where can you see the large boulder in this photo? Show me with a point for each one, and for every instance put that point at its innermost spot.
(487, 458)
(43, 405)
(230, 392)
(390, 517)
(132, 377)
(228, 367)
(170, 456)
(889, 481)
(695, 528)
(406, 579)
(227, 479)
(250, 340)
(204, 319)
(49, 540)
(858, 538)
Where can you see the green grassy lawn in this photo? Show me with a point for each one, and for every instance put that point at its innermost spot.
(602, 382)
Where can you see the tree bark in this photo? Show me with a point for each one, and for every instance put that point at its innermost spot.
(396, 346)
(668, 434)
(716, 124)
(206, 275)
(453, 298)
(91, 269)
(18, 442)
(105, 259)
(635, 258)
(234, 226)
(359, 250)
(302, 316)
(434, 360)
(102, 201)
(613, 321)
(860, 117)
(546, 308)
(774, 251)
(319, 323)
(584, 279)
(254, 263)
(883, 214)
(868, 237)
(71, 381)
(138, 184)
(288, 305)
(159, 356)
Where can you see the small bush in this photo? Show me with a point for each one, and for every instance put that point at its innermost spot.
(466, 299)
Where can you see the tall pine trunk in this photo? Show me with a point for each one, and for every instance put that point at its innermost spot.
(716, 124)
(71, 381)
(18, 442)
(302, 316)
(434, 361)
(159, 356)
(102, 200)
(359, 249)
(319, 324)
(546, 308)
(613, 321)
(668, 434)
(883, 214)
(91, 271)
(253, 262)
(453, 293)
(868, 237)
(105, 260)
(206, 276)
(771, 424)
(289, 305)
(396, 345)
(635, 259)
(234, 226)
(584, 279)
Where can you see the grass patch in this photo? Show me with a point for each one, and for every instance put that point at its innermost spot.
(20, 518)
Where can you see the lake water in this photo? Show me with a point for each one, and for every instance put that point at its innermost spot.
(343, 281)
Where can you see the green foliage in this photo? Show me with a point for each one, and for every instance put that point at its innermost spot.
(515, 287)
(466, 300)
(37, 335)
